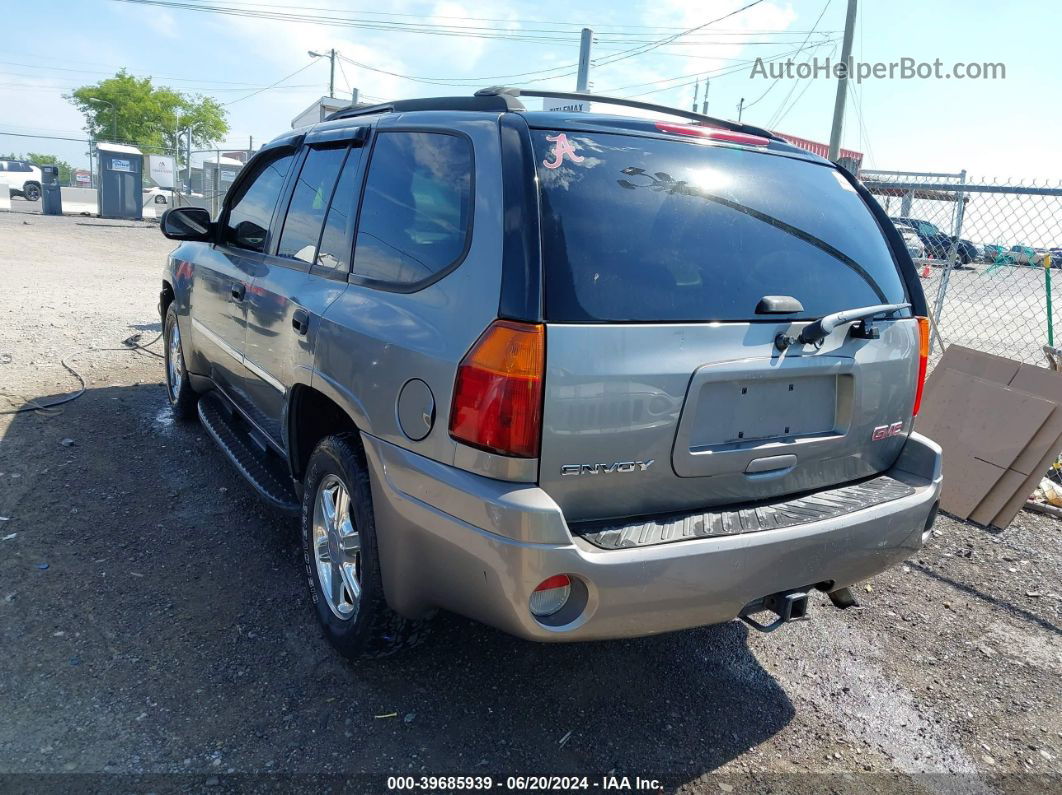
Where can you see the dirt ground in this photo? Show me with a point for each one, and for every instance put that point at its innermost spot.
(154, 619)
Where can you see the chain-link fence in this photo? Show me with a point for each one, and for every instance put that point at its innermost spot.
(982, 248)
(205, 176)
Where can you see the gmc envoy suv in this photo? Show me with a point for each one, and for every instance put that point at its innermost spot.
(573, 375)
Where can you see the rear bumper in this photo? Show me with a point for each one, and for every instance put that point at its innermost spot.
(453, 540)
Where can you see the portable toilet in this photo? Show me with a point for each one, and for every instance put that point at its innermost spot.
(121, 181)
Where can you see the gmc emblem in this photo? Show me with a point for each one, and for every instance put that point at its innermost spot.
(885, 431)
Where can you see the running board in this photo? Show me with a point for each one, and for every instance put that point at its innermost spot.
(263, 470)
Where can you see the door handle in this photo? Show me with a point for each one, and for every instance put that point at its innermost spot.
(300, 321)
(237, 290)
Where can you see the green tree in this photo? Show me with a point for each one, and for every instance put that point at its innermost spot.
(133, 110)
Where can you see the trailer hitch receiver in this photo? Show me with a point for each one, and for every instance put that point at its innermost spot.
(786, 605)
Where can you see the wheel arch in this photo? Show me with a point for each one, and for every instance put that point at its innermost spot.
(312, 415)
(166, 297)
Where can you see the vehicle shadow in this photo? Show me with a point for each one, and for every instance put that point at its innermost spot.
(192, 637)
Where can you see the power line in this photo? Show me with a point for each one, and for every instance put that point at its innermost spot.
(273, 85)
(778, 79)
(624, 55)
(576, 25)
(453, 81)
(131, 74)
(536, 35)
(782, 112)
(342, 71)
(710, 73)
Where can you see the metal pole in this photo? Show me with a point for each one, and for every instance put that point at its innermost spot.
(188, 163)
(1050, 310)
(741, 108)
(696, 87)
(583, 79)
(842, 82)
(217, 184)
(704, 101)
(949, 264)
(332, 75)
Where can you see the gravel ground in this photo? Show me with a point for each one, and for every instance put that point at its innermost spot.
(154, 618)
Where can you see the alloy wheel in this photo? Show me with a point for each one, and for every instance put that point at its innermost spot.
(337, 548)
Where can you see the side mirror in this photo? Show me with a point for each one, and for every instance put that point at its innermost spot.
(187, 223)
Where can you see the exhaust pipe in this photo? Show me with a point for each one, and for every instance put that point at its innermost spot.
(787, 605)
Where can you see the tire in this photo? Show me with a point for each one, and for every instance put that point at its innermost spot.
(179, 392)
(31, 191)
(361, 627)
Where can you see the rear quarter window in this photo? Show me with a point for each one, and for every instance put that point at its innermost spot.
(416, 215)
(645, 229)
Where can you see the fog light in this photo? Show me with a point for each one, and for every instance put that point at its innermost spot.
(550, 595)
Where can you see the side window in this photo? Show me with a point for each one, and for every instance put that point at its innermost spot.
(251, 212)
(417, 211)
(334, 251)
(309, 201)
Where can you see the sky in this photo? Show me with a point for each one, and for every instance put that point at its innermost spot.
(1003, 128)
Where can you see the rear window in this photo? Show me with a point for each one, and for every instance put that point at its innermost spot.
(644, 229)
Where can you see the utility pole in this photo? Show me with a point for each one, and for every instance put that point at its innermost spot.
(842, 83)
(741, 108)
(332, 73)
(584, 61)
(696, 86)
(332, 70)
(704, 101)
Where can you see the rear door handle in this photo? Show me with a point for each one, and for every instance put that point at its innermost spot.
(237, 290)
(300, 321)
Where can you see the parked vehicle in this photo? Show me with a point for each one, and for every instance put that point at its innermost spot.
(1024, 255)
(937, 243)
(574, 375)
(22, 178)
(913, 242)
(993, 251)
(156, 195)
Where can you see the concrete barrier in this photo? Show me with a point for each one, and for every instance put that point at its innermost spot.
(80, 200)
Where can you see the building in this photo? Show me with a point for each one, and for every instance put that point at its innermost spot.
(849, 158)
(322, 108)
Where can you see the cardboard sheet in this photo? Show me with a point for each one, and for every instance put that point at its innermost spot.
(991, 444)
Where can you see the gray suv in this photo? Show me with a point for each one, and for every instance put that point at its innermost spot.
(573, 375)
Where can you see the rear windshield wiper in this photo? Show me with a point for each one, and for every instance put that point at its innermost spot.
(815, 333)
(664, 181)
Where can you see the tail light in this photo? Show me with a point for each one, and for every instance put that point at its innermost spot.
(550, 595)
(923, 361)
(497, 404)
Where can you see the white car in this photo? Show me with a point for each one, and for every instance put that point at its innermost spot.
(22, 178)
(156, 195)
(912, 241)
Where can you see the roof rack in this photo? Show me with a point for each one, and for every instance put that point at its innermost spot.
(506, 91)
(490, 103)
(501, 99)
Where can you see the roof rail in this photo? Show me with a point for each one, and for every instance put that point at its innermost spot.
(506, 91)
(497, 103)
